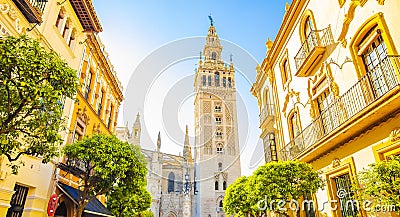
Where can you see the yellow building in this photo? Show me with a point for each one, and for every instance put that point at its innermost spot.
(329, 92)
(69, 28)
(95, 111)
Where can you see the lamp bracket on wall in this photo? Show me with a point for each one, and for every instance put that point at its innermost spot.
(82, 42)
(60, 3)
(30, 29)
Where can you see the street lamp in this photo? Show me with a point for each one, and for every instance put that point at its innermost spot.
(188, 186)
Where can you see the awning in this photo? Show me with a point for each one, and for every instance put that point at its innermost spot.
(93, 209)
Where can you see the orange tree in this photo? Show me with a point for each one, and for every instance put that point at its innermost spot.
(104, 164)
(33, 84)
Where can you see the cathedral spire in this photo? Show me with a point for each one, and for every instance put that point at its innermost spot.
(159, 141)
(137, 129)
(187, 150)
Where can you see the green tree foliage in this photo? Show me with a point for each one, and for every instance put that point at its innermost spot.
(33, 84)
(236, 200)
(146, 213)
(271, 188)
(104, 164)
(130, 197)
(381, 184)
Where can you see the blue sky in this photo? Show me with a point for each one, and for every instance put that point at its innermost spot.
(132, 30)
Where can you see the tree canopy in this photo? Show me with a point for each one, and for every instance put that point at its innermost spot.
(130, 197)
(33, 84)
(104, 164)
(380, 184)
(272, 187)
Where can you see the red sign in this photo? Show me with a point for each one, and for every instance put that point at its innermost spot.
(52, 206)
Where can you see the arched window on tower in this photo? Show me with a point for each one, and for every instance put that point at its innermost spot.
(214, 55)
(224, 185)
(224, 81)
(204, 80)
(216, 185)
(171, 182)
(217, 79)
(219, 166)
(229, 82)
(220, 149)
(209, 80)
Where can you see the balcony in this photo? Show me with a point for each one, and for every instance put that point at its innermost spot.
(267, 116)
(362, 106)
(312, 50)
(32, 9)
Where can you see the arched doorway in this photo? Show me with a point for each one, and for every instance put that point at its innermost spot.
(171, 214)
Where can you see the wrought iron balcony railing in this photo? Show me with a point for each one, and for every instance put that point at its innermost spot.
(266, 112)
(32, 9)
(372, 86)
(316, 38)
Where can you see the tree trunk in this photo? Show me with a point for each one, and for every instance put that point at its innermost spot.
(79, 211)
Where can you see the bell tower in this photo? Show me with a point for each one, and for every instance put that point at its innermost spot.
(217, 149)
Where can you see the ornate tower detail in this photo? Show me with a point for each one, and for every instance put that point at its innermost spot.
(136, 131)
(187, 150)
(217, 148)
(159, 142)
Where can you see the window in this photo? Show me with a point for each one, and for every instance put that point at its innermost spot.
(109, 120)
(343, 185)
(87, 84)
(218, 120)
(294, 132)
(99, 103)
(214, 55)
(217, 79)
(328, 118)
(208, 148)
(270, 152)
(229, 82)
(171, 182)
(209, 80)
(79, 131)
(72, 39)
(224, 81)
(66, 31)
(221, 205)
(218, 108)
(224, 185)
(308, 34)
(308, 26)
(220, 149)
(60, 20)
(376, 65)
(285, 72)
(17, 201)
(218, 135)
(216, 185)
(294, 125)
(219, 166)
(204, 80)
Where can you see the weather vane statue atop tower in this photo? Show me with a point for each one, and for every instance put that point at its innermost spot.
(211, 20)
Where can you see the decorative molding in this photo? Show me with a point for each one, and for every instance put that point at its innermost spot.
(12, 13)
(336, 162)
(348, 18)
(395, 135)
(341, 3)
(225, 176)
(83, 116)
(381, 2)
